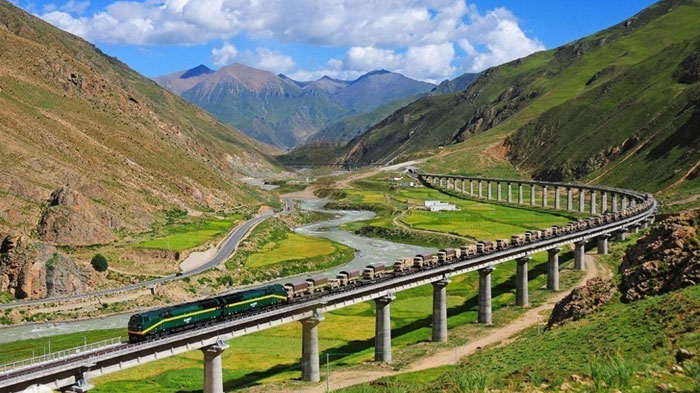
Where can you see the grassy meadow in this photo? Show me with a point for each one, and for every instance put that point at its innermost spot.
(623, 347)
(273, 250)
(183, 236)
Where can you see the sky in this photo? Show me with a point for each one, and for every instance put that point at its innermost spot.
(428, 40)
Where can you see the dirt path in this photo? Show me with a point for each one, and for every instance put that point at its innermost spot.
(501, 336)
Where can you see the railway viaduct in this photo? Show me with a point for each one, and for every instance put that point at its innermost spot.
(71, 371)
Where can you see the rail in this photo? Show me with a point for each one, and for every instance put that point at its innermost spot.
(60, 355)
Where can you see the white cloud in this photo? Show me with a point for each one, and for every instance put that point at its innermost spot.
(75, 7)
(417, 36)
(269, 60)
(262, 58)
(224, 55)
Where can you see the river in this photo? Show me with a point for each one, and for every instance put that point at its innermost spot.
(367, 250)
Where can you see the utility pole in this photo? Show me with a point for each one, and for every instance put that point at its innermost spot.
(328, 373)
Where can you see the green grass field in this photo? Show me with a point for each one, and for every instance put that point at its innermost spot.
(185, 236)
(476, 220)
(626, 347)
(294, 246)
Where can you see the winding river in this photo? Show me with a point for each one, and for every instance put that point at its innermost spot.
(367, 250)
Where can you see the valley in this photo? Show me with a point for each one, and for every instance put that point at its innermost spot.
(351, 220)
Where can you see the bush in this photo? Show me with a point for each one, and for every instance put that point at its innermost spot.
(99, 263)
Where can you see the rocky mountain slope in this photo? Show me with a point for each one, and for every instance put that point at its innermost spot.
(281, 111)
(91, 150)
(666, 259)
(620, 107)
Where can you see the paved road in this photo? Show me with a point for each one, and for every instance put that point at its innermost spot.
(227, 248)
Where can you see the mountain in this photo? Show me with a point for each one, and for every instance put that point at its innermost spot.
(281, 111)
(271, 109)
(181, 81)
(350, 127)
(621, 106)
(93, 152)
(377, 88)
(457, 84)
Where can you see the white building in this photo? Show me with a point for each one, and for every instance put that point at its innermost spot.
(437, 206)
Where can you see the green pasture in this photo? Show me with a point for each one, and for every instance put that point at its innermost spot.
(184, 236)
(294, 246)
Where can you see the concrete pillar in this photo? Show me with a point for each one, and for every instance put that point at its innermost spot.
(557, 204)
(464, 189)
(520, 193)
(510, 192)
(569, 199)
(614, 203)
(553, 269)
(481, 194)
(471, 188)
(213, 373)
(581, 200)
(532, 195)
(498, 191)
(544, 196)
(624, 202)
(633, 202)
(81, 386)
(382, 329)
(485, 295)
(645, 224)
(635, 228)
(310, 370)
(442, 181)
(440, 310)
(622, 234)
(593, 203)
(603, 244)
(488, 187)
(604, 203)
(521, 293)
(579, 255)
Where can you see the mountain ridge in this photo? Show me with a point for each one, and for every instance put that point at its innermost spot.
(284, 112)
(569, 113)
(77, 118)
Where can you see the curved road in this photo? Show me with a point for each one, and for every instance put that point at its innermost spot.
(227, 248)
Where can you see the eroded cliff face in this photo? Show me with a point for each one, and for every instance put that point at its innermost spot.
(71, 219)
(32, 270)
(665, 259)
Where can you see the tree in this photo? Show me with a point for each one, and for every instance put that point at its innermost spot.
(99, 263)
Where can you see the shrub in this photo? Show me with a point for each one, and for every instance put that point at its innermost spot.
(471, 381)
(99, 263)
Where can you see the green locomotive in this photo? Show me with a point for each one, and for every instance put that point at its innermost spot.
(186, 316)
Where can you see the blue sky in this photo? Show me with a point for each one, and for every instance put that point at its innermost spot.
(425, 39)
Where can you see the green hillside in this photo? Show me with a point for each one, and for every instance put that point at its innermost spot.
(72, 116)
(619, 107)
(352, 126)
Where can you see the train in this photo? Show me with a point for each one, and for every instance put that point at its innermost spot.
(167, 320)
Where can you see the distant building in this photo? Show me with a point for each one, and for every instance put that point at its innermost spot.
(437, 206)
(408, 184)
